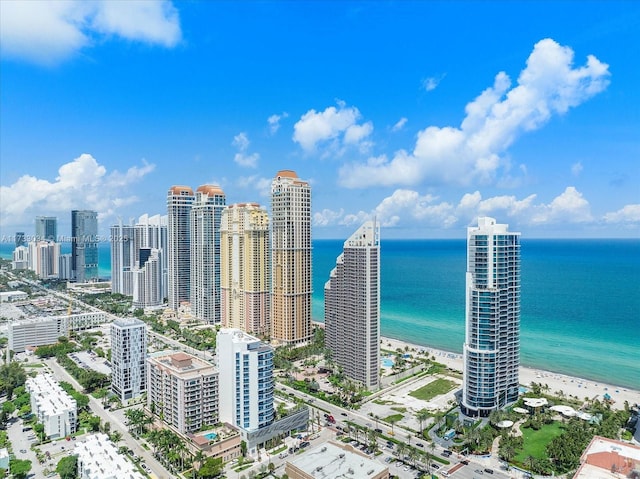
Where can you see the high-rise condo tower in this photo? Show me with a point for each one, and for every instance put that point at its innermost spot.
(245, 274)
(179, 201)
(84, 245)
(291, 259)
(352, 307)
(206, 213)
(492, 340)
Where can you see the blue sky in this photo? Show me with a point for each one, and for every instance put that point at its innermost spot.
(424, 114)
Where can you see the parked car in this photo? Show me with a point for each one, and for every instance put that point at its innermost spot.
(488, 471)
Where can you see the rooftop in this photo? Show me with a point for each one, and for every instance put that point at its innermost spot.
(330, 461)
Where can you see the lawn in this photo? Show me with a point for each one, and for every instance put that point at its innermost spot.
(535, 442)
(393, 417)
(433, 389)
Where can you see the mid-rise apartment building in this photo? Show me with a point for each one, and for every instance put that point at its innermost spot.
(352, 307)
(54, 408)
(290, 259)
(245, 268)
(182, 390)
(245, 366)
(128, 358)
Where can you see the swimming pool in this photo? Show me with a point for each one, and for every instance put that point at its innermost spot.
(210, 436)
(387, 362)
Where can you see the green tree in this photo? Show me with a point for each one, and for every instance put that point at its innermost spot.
(422, 416)
(211, 468)
(67, 467)
(8, 407)
(12, 376)
(19, 468)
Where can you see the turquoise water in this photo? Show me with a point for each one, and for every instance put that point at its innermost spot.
(210, 436)
(386, 362)
(580, 312)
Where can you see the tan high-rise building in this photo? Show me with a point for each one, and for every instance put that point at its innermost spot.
(206, 214)
(245, 274)
(291, 259)
(179, 201)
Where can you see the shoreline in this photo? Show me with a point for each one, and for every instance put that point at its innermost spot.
(569, 385)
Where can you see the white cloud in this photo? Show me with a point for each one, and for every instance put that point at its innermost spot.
(256, 183)
(570, 207)
(327, 217)
(241, 142)
(431, 83)
(627, 214)
(49, 31)
(472, 153)
(318, 127)
(81, 183)
(274, 122)
(399, 124)
(576, 169)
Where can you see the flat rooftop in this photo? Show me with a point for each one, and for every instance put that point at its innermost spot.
(330, 461)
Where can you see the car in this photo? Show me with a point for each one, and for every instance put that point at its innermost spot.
(406, 468)
(446, 452)
(378, 430)
(435, 466)
(488, 471)
(23, 451)
(343, 414)
(419, 444)
(478, 471)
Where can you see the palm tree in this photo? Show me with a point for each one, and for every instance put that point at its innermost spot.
(115, 437)
(422, 416)
(402, 450)
(199, 458)
(392, 421)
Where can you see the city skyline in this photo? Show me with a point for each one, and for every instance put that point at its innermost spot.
(408, 111)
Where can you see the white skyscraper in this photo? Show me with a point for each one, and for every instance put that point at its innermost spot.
(179, 201)
(290, 259)
(245, 366)
(206, 214)
(245, 274)
(122, 258)
(128, 358)
(352, 307)
(492, 339)
(43, 258)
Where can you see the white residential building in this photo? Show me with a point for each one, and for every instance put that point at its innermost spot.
(290, 259)
(149, 280)
(122, 258)
(98, 458)
(206, 214)
(182, 390)
(179, 201)
(54, 408)
(491, 350)
(245, 365)
(43, 258)
(352, 307)
(128, 358)
(245, 268)
(20, 258)
(47, 330)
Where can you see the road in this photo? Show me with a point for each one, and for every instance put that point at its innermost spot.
(116, 424)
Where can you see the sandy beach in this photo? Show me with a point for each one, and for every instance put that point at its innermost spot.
(570, 386)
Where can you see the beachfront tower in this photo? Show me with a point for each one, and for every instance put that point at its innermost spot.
(179, 201)
(290, 259)
(352, 307)
(84, 245)
(245, 268)
(492, 339)
(46, 228)
(206, 214)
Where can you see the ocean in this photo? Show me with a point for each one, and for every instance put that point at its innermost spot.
(580, 309)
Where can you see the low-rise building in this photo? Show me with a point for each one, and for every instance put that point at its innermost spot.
(11, 296)
(331, 460)
(608, 459)
(98, 458)
(182, 390)
(54, 408)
